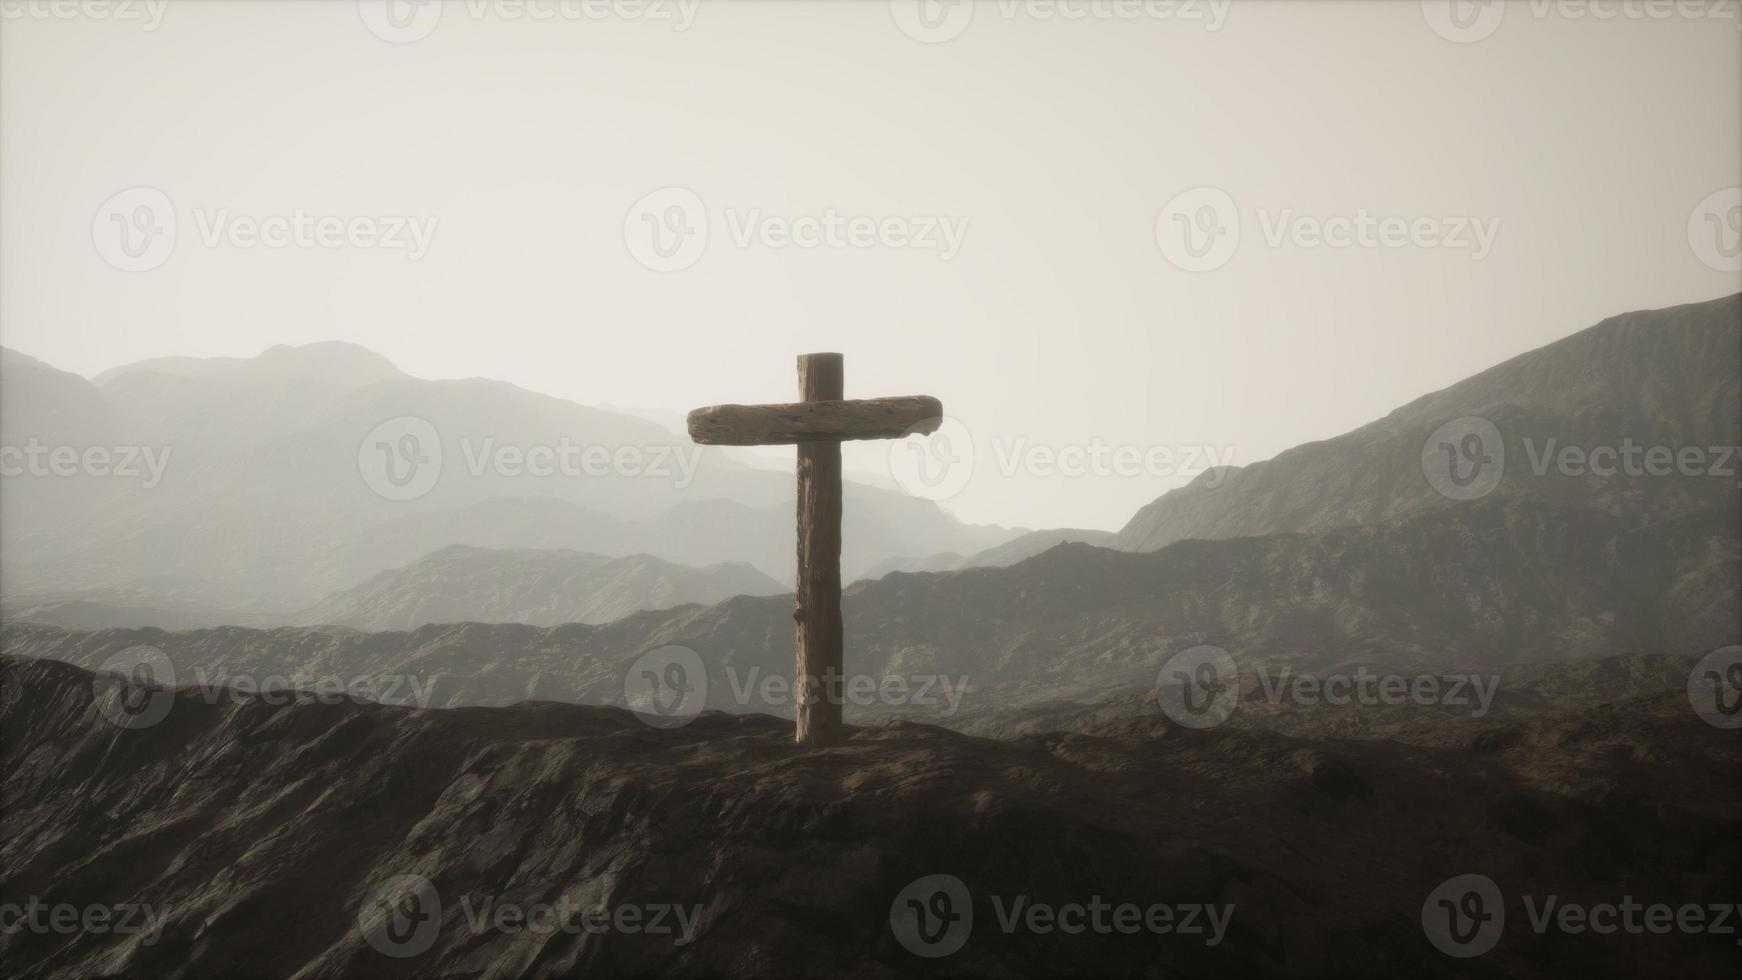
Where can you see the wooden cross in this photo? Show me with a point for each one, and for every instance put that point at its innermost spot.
(817, 425)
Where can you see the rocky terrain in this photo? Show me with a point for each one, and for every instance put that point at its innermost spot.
(472, 798)
(259, 839)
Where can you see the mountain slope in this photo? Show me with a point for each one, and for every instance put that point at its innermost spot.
(256, 834)
(267, 499)
(1487, 585)
(1025, 545)
(461, 584)
(1663, 377)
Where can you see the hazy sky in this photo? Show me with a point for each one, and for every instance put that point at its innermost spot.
(1021, 246)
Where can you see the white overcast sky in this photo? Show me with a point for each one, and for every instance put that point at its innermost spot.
(1060, 322)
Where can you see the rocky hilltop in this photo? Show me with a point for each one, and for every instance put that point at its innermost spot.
(331, 838)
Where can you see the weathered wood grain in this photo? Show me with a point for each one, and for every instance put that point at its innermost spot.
(817, 608)
(826, 419)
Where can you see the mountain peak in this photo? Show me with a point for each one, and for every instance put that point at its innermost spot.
(334, 360)
(328, 360)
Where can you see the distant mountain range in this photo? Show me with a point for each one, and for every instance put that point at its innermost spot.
(1669, 378)
(1390, 572)
(1484, 586)
(262, 505)
(459, 583)
(539, 587)
(1009, 553)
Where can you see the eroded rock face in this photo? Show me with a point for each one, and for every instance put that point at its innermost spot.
(261, 836)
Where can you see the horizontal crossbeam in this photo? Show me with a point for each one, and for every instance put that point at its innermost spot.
(818, 421)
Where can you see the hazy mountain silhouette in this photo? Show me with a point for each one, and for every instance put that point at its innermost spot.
(1484, 585)
(262, 507)
(1026, 545)
(542, 587)
(1663, 377)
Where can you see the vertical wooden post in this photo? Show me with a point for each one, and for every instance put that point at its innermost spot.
(817, 676)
